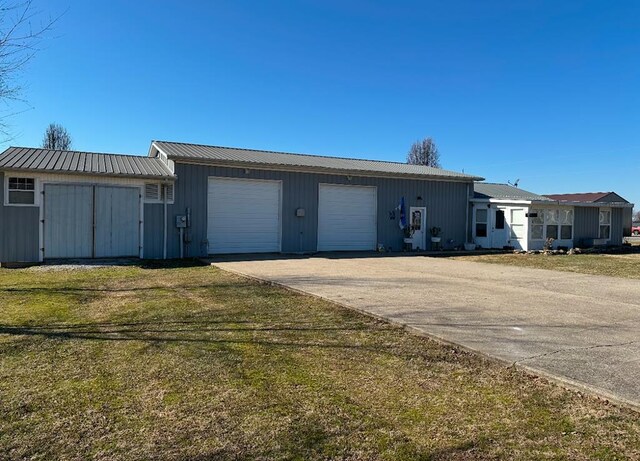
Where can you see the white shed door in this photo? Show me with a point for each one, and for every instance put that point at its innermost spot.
(68, 221)
(244, 216)
(117, 215)
(72, 211)
(346, 218)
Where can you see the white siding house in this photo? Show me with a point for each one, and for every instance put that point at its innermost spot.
(504, 216)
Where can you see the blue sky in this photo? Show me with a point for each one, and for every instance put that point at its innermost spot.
(544, 91)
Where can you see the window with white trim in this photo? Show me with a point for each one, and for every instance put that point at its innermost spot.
(551, 223)
(566, 224)
(605, 224)
(155, 192)
(481, 222)
(21, 191)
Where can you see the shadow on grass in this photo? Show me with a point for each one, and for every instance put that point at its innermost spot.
(196, 332)
(84, 289)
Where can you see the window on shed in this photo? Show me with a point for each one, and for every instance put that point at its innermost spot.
(155, 192)
(152, 192)
(21, 191)
(481, 222)
(167, 190)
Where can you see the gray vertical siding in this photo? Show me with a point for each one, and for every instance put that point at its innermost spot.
(153, 222)
(446, 204)
(627, 218)
(19, 231)
(586, 225)
(617, 226)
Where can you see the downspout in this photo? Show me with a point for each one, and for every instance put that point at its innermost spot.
(164, 234)
(466, 218)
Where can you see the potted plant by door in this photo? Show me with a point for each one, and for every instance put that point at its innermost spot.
(435, 234)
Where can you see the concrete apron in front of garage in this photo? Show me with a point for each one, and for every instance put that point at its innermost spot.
(582, 330)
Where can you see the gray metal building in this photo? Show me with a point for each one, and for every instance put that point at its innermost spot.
(193, 200)
(305, 203)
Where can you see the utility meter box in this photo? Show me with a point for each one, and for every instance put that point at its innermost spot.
(300, 212)
(181, 221)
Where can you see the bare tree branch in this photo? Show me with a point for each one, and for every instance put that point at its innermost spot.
(424, 152)
(56, 137)
(21, 33)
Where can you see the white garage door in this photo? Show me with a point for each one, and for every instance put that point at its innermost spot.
(346, 218)
(244, 216)
(84, 221)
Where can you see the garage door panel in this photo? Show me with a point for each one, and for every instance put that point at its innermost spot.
(347, 218)
(244, 216)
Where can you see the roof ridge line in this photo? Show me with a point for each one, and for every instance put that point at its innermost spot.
(293, 153)
(79, 151)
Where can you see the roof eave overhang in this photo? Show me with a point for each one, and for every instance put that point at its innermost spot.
(502, 200)
(320, 170)
(593, 204)
(85, 173)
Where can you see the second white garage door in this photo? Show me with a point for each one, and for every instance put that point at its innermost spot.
(346, 218)
(244, 216)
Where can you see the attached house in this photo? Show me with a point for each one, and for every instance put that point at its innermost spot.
(506, 216)
(194, 200)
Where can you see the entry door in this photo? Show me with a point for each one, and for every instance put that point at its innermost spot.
(517, 228)
(499, 237)
(418, 223)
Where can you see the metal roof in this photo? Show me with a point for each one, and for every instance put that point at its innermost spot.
(589, 197)
(304, 162)
(485, 190)
(59, 161)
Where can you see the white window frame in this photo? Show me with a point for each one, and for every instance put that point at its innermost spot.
(608, 210)
(485, 222)
(36, 191)
(545, 224)
(159, 199)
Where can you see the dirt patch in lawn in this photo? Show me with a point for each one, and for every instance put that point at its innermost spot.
(195, 363)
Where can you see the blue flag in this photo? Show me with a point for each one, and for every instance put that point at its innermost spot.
(403, 215)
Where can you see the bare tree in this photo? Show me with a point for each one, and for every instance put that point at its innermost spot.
(636, 216)
(21, 32)
(424, 152)
(56, 137)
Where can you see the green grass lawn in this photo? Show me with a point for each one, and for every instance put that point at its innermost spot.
(195, 363)
(627, 266)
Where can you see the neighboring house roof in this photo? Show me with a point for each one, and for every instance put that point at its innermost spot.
(588, 197)
(231, 156)
(58, 161)
(485, 190)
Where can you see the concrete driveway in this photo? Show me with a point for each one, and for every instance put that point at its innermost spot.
(581, 329)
